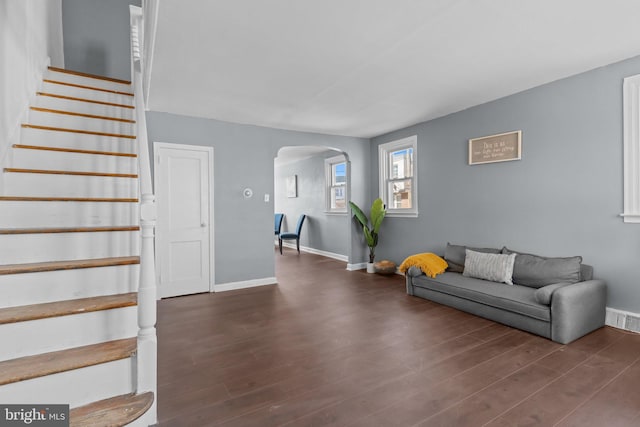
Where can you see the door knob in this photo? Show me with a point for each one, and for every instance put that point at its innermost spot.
(204, 224)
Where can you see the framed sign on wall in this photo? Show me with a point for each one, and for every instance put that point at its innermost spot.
(502, 147)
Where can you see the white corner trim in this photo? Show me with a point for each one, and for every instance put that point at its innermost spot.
(631, 114)
(333, 255)
(357, 266)
(231, 286)
(620, 319)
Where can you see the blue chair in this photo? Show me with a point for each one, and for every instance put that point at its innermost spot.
(291, 236)
(278, 223)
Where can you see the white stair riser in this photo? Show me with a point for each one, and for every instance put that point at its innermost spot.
(51, 286)
(16, 214)
(94, 95)
(49, 138)
(76, 387)
(26, 248)
(87, 81)
(42, 118)
(83, 107)
(58, 160)
(46, 185)
(58, 333)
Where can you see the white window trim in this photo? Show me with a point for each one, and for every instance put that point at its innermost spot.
(328, 175)
(383, 173)
(631, 108)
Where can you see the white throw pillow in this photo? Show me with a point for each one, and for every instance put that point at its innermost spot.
(494, 267)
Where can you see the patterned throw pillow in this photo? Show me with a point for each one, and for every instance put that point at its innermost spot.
(493, 267)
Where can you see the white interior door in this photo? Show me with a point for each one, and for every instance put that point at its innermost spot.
(183, 178)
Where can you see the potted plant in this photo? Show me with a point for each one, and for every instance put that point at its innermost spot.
(371, 227)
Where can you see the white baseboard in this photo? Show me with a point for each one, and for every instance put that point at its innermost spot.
(623, 319)
(231, 286)
(333, 255)
(357, 266)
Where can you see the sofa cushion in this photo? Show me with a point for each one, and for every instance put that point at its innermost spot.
(494, 267)
(537, 271)
(455, 256)
(543, 294)
(516, 299)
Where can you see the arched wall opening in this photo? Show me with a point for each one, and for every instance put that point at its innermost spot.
(301, 187)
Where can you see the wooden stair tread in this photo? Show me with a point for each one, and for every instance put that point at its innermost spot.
(67, 265)
(92, 76)
(115, 92)
(74, 98)
(77, 173)
(65, 308)
(67, 230)
(89, 116)
(74, 150)
(82, 131)
(67, 199)
(40, 365)
(113, 412)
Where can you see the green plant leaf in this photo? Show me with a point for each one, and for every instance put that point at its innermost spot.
(371, 239)
(359, 215)
(378, 213)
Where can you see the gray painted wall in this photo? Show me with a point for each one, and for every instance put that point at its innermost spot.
(321, 231)
(243, 157)
(96, 36)
(563, 198)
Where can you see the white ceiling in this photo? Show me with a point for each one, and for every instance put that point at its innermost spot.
(367, 67)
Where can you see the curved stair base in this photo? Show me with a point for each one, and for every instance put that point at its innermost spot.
(114, 412)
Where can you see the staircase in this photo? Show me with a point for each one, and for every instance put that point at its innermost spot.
(70, 250)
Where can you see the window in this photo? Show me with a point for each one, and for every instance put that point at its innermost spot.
(398, 176)
(336, 187)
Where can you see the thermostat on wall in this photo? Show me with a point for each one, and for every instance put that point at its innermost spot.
(247, 193)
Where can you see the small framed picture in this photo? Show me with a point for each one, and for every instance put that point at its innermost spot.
(292, 186)
(503, 147)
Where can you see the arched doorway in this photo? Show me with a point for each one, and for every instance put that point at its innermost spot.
(315, 181)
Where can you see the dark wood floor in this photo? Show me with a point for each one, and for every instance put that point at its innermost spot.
(331, 347)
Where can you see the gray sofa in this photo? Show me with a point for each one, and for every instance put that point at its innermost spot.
(556, 298)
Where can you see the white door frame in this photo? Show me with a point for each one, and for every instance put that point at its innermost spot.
(157, 146)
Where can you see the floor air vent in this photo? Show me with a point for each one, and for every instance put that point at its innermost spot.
(623, 320)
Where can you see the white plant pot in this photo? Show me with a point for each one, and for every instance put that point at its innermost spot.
(370, 268)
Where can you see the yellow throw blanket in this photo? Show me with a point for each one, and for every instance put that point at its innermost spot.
(430, 264)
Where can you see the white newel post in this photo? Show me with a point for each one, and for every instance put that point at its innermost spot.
(147, 340)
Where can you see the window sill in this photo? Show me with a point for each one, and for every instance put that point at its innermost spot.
(335, 213)
(402, 214)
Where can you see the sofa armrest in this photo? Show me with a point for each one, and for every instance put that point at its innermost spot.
(414, 272)
(577, 309)
(408, 277)
(544, 294)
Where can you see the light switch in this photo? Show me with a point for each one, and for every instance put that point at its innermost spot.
(266, 198)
